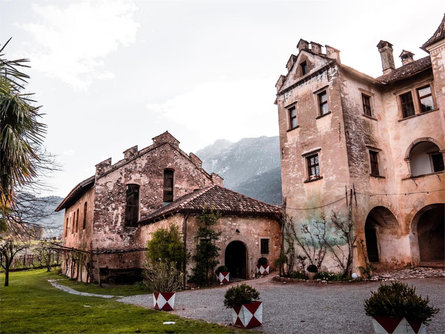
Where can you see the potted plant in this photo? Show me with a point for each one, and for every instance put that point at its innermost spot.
(262, 267)
(223, 274)
(163, 279)
(311, 271)
(247, 310)
(396, 308)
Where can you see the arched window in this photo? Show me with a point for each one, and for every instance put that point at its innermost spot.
(132, 205)
(77, 220)
(168, 185)
(84, 215)
(425, 158)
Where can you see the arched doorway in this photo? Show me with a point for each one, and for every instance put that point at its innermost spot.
(430, 233)
(236, 259)
(381, 230)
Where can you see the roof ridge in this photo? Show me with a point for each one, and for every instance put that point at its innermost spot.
(247, 197)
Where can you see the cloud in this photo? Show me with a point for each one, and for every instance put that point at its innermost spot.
(73, 41)
(223, 109)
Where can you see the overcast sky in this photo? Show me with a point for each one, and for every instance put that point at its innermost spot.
(113, 74)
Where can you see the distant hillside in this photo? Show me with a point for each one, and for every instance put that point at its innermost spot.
(250, 166)
(40, 211)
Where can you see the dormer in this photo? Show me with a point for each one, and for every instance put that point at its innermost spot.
(406, 57)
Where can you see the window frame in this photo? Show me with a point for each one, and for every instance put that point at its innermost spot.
(315, 165)
(267, 246)
(168, 197)
(289, 109)
(403, 104)
(374, 165)
(366, 97)
(132, 210)
(419, 98)
(431, 155)
(322, 103)
(304, 68)
(85, 209)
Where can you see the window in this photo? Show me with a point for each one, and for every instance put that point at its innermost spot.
(84, 215)
(374, 161)
(73, 223)
(77, 220)
(264, 246)
(132, 205)
(292, 117)
(425, 98)
(437, 161)
(66, 228)
(366, 101)
(323, 103)
(313, 167)
(406, 102)
(303, 68)
(168, 185)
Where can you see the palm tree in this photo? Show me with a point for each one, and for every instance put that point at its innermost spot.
(21, 133)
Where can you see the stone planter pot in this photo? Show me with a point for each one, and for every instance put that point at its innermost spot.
(223, 277)
(164, 301)
(263, 270)
(310, 275)
(248, 315)
(388, 325)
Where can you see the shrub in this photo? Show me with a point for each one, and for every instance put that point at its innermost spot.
(400, 301)
(262, 261)
(298, 275)
(312, 268)
(222, 269)
(162, 276)
(239, 295)
(167, 246)
(327, 276)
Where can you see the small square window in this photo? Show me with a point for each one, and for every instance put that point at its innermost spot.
(406, 102)
(313, 167)
(292, 117)
(366, 101)
(425, 98)
(323, 103)
(303, 68)
(374, 161)
(264, 246)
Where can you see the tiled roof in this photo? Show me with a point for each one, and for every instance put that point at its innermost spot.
(76, 193)
(437, 36)
(406, 71)
(220, 199)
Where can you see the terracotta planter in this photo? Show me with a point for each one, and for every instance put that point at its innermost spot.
(263, 270)
(164, 301)
(223, 277)
(310, 275)
(388, 325)
(248, 315)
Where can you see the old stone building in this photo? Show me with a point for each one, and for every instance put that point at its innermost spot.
(110, 216)
(381, 138)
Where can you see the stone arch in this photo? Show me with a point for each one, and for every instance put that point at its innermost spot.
(424, 156)
(427, 234)
(235, 259)
(381, 235)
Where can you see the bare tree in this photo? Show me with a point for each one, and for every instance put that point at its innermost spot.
(9, 248)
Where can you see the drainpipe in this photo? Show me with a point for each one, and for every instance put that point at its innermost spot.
(184, 236)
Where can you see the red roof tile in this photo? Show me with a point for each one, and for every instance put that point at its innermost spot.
(437, 36)
(219, 198)
(406, 71)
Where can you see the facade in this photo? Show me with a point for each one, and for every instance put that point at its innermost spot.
(110, 216)
(380, 139)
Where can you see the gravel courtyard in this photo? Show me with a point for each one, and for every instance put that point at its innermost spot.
(301, 307)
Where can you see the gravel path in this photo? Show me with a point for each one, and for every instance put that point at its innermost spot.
(75, 292)
(301, 307)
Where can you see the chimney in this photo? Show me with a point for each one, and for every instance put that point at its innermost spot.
(131, 152)
(103, 167)
(385, 49)
(315, 48)
(302, 45)
(333, 53)
(407, 57)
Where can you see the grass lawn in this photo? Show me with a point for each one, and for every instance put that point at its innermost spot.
(106, 289)
(31, 305)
